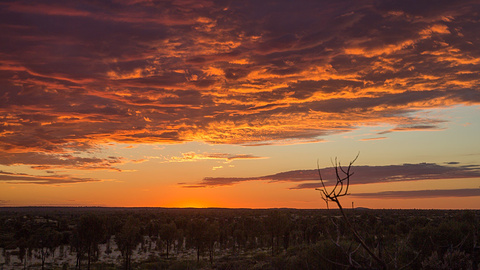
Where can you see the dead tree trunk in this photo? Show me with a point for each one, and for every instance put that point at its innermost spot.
(339, 190)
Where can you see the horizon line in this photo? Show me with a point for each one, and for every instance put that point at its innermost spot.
(229, 208)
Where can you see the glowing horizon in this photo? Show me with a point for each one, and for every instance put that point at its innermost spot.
(182, 103)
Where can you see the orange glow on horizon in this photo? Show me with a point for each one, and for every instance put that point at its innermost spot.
(227, 104)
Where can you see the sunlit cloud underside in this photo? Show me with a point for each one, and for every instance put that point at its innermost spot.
(75, 76)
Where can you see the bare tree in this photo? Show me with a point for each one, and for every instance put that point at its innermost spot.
(340, 189)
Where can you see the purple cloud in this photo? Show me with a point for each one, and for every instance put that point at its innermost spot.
(49, 161)
(434, 193)
(362, 175)
(229, 72)
(22, 178)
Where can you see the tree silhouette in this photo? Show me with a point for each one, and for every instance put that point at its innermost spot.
(22, 235)
(212, 235)
(153, 230)
(45, 240)
(127, 239)
(197, 235)
(180, 238)
(167, 234)
(276, 225)
(339, 190)
(90, 232)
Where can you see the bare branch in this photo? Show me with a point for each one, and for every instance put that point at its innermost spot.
(339, 190)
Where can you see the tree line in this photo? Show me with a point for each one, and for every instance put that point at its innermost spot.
(241, 238)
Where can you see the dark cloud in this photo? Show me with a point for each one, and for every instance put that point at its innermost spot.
(22, 178)
(362, 175)
(243, 72)
(429, 8)
(434, 193)
(50, 161)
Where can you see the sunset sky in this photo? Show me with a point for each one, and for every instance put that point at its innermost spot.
(191, 103)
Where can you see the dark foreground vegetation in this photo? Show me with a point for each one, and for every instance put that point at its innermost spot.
(159, 238)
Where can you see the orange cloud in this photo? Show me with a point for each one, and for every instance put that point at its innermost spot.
(22, 178)
(192, 156)
(373, 139)
(43, 161)
(231, 73)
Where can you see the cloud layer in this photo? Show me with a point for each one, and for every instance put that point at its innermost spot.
(23, 178)
(309, 179)
(77, 74)
(434, 193)
(43, 161)
(192, 156)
